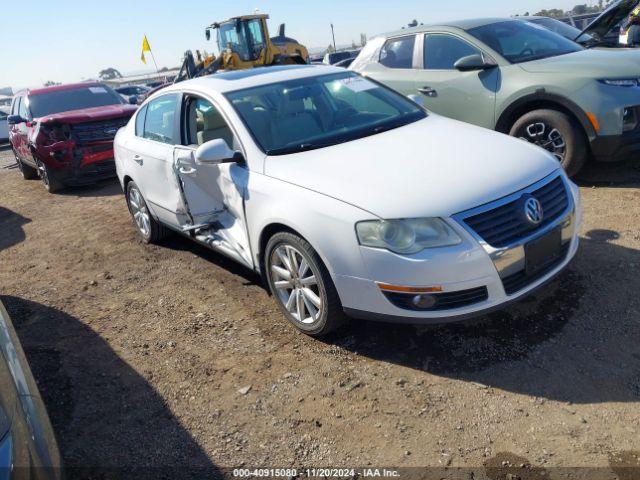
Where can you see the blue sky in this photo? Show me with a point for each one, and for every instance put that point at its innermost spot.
(68, 40)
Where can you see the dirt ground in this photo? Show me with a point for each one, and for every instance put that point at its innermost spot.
(144, 355)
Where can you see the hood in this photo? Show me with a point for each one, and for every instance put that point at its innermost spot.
(435, 167)
(611, 18)
(591, 63)
(94, 114)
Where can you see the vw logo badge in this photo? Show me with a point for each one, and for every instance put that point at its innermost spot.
(533, 210)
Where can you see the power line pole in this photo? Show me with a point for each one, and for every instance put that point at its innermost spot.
(334, 38)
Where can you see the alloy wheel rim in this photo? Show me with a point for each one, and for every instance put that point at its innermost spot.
(43, 173)
(539, 133)
(296, 284)
(140, 212)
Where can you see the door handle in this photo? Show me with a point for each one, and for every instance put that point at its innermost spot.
(138, 159)
(428, 91)
(187, 170)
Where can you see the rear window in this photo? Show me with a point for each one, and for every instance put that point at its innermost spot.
(76, 99)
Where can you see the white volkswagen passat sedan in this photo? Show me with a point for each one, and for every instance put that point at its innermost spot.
(349, 198)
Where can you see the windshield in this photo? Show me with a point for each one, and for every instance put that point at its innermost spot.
(77, 99)
(520, 42)
(244, 37)
(567, 31)
(320, 111)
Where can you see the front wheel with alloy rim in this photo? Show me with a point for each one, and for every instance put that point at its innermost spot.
(48, 180)
(301, 285)
(149, 228)
(557, 133)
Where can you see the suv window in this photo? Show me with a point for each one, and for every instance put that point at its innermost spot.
(15, 108)
(23, 111)
(398, 52)
(79, 98)
(441, 52)
(159, 120)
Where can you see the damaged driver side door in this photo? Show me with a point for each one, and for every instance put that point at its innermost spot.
(213, 194)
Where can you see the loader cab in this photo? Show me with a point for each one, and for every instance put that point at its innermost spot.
(246, 37)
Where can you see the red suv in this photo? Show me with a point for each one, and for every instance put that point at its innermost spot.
(64, 134)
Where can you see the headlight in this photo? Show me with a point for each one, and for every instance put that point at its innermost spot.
(406, 236)
(621, 82)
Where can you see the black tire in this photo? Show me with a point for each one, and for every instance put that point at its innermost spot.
(155, 231)
(330, 316)
(550, 129)
(28, 172)
(48, 179)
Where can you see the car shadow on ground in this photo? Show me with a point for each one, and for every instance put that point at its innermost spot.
(109, 420)
(11, 231)
(178, 242)
(614, 174)
(575, 340)
(104, 188)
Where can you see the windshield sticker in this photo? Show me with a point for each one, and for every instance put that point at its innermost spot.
(357, 84)
(97, 90)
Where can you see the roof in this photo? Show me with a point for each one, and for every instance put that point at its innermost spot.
(59, 88)
(240, 79)
(461, 24)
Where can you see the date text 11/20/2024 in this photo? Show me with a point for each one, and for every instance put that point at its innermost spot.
(316, 473)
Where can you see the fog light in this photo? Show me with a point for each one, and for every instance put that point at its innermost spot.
(629, 119)
(424, 301)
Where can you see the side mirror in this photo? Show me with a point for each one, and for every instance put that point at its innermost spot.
(133, 100)
(417, 99)
(207, 34)
(15, 120)
(473, 62)
(216, 152)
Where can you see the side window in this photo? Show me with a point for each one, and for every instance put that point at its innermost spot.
(398, 52)
(140, 116)
(15, 108)
(204, 122)
(441, 52)
(23, 111)
(159, 121)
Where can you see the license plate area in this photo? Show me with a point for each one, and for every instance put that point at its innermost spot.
(542, 252)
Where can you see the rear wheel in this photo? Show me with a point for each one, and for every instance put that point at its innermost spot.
(557, 133)
(302, 286)
(149, 228)
(48, 180)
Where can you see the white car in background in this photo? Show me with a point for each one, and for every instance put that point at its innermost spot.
(4, 127)
(349, 198)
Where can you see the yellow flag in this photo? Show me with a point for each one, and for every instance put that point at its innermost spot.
(145, 48)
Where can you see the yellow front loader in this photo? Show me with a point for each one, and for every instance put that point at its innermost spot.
(244, 42)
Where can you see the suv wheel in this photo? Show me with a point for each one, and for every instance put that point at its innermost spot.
(48, 180)
(557, 133)
(28, 173)
(302, 286)
(148, 227)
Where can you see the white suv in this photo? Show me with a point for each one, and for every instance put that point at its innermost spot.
(349, 198)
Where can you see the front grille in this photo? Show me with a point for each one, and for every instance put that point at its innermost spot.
(97, 131)
(444, 301)
(506, 224)
(516, 282)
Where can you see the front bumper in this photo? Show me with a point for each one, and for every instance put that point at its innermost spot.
(465, 271)
(613, 148)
